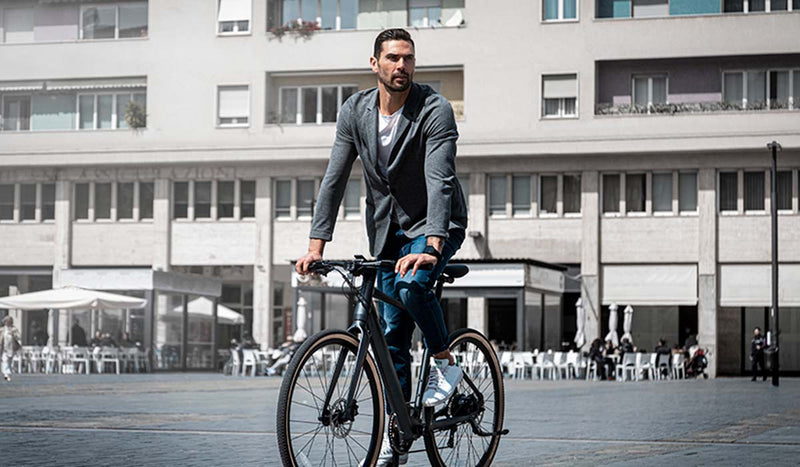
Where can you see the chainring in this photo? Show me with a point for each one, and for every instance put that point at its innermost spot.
(395, 440)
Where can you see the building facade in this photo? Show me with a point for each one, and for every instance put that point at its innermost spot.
(624, 139)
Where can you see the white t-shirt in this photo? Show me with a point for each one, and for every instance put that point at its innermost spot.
(387, 130)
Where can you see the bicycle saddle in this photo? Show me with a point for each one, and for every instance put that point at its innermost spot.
(456, 270)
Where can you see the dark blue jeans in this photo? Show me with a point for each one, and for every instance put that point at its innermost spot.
(415, 293)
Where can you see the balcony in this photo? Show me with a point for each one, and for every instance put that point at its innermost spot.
(698, 85)
(314, 98)
(336, 15)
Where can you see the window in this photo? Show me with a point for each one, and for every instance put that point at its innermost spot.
(635, 191)
(521, 195)
(305, 199)
(687, 192)
(7, 202)
(48, 201)
(27, 203)
(559, 96)
(754, 191)
(53, 112)
(424, 13)
(662, 192)
(180, 200)
(572, 193)
(233, 16)
(102, 200)
(650, 8)
(749, 6)
(247, 198)
(233, 105)
(555, 10)
(283, 199)
(352, 199)
(113, 21)
(202, 200)
(747, 89)
(548, 194)
(728, 191)
(125, 193)
(96, 111)
(18, 25)
(783, 190)
(81, 201)
(329, 14)
(779, 89)
(225, 199)
(318, 104)
(146, 196)
(649, 91)
(611, 193)
(16, 113)
(497, 195)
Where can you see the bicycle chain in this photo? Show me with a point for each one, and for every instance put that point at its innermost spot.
(398, 445)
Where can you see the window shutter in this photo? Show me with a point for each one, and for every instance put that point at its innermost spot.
(234, 102)
(234, 10)
(559, 86)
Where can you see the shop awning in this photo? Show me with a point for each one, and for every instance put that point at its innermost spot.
(751, 285)
(71, 298)
(650, 285)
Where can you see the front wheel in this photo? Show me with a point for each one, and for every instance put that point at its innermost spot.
(467, 444)
(309, 434)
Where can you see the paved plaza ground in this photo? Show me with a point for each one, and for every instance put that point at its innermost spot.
(208, 419)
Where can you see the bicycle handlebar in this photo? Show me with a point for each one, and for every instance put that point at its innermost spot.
(354, 266)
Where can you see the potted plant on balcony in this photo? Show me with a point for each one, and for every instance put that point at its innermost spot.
(300, 28)
(135, 116)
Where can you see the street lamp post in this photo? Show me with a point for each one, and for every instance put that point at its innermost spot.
(774, 147)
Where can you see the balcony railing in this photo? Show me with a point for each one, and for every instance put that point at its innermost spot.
(692, 108)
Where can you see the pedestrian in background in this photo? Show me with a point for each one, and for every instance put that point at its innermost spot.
(757, 354)
(9, 345)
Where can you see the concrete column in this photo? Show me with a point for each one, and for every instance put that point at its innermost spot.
(162, 224)
(262, 268)
(62, 257)
(590, 253)
(477, 316)
(476, 245)
(707, 266)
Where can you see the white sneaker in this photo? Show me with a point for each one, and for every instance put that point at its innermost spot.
(442, 382)
(386, 454)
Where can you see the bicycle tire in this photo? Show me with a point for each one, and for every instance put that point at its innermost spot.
(292, 391)
(460, 340)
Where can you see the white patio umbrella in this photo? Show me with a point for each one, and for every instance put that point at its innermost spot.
(300, 333)
(580, 338)
(613, 321)
(626, 324)
(71, 298)
(203, 308)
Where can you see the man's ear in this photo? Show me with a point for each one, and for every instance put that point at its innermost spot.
(373, 63)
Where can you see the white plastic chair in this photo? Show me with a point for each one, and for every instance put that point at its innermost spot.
(52, 360)
(573, 363)
(505, 362)
(628, 366)
(678, 366)
(644, 365)
(109, 355)
(661, 362)
(544, 363)
(80, 356)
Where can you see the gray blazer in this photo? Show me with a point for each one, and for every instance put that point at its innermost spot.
(420, 188)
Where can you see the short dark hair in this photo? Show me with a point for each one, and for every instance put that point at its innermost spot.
(394, 34)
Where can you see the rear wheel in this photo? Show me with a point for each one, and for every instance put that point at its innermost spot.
(306, 435)
(484, 399)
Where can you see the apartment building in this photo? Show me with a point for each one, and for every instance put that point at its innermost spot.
(611, 150)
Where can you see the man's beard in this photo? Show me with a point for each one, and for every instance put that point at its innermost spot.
(396, 88)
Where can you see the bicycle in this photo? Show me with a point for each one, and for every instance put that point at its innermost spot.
(333, 391)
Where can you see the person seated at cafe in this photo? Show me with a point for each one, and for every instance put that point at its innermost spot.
(78, 334)
(98, 337)
(664, 353)
(624, 347)
(597, 355)
(126, 341)
(107, 341)
(38, 335)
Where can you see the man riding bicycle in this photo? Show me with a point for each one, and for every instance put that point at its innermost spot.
(405, 134)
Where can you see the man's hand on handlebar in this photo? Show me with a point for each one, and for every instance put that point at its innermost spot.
(315, 248)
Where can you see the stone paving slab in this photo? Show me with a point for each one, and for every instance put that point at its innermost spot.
(208, 419)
